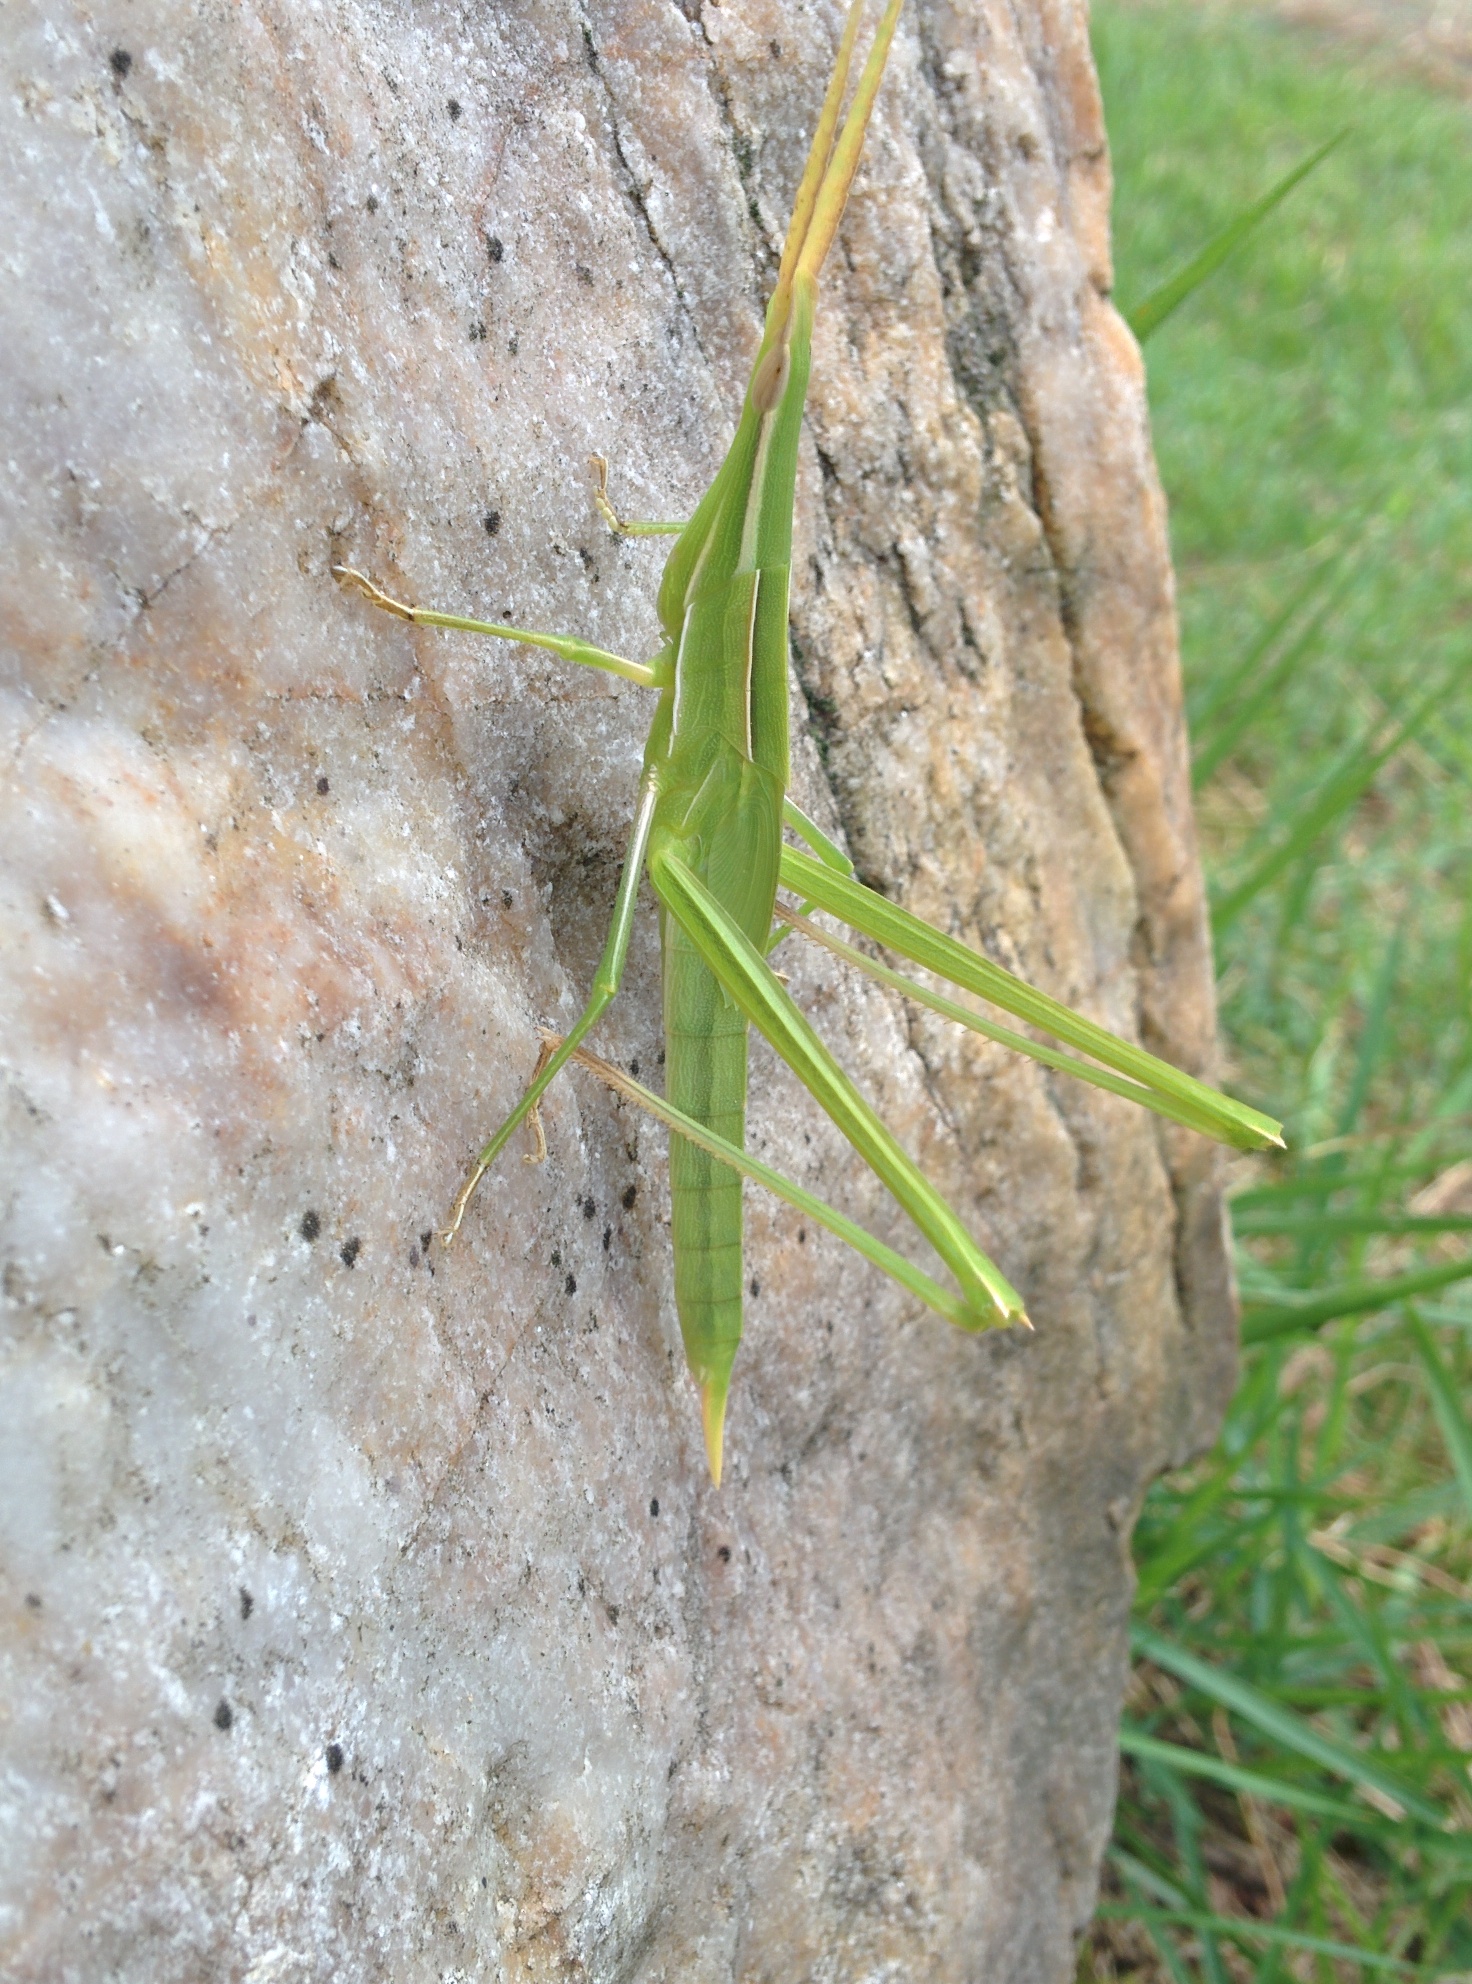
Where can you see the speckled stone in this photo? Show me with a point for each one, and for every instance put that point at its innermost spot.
(366, 1613)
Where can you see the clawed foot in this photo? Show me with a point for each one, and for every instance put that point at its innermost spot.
(355, 581)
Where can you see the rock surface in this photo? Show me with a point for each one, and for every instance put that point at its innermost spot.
(367, 1614)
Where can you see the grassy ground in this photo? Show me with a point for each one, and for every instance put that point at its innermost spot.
(1298, 1741)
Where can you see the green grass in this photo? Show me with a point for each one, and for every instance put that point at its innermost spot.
(1295, 1796)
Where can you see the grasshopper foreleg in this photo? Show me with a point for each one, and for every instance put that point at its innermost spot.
(646, 674)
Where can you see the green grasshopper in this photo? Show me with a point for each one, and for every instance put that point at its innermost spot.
(708, 829)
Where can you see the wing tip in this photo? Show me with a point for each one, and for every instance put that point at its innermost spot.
(713, 1419)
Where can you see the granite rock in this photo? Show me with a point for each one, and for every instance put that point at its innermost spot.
(366, 1613)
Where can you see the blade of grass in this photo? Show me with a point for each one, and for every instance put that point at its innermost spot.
(1149, 315)
(1281, 1725)
(1187, 1824)
(1310, 380)
(1451, 1420)
(1262, 1321)
(1389, 1522)
(1192, 1534)
(1251, 1223)
(1363, 1626)
(1316, 1184)
(1147, 1878)
(1438, 1312)
(1204, 705)
(1251, 1783)
(1374, 1033)
(1142, 1877)
(1354, 775)
(1192, 1545)
(1243, 1931)
(1225, 738)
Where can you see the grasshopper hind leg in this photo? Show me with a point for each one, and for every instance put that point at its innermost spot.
(827, 851)
(606, 981)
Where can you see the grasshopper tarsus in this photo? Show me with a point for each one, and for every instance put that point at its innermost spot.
(534, 1114)
(356, 581)
(624, 526)
(601, 503)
